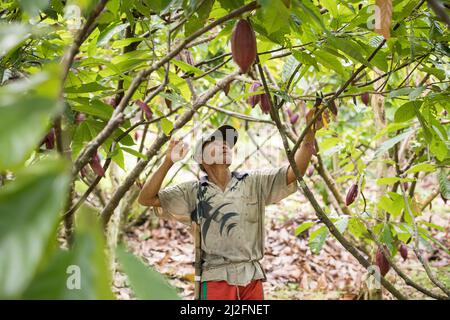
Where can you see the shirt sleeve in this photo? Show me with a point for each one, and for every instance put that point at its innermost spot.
(178, 200)
(273, 186)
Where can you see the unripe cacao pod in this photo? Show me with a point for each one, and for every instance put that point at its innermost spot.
(145, 109)
(293, 119)
(318, 101)
(112, 102)
(255, 99)
(365, 98)
(382, 262)
(243, 45)
(310, 171)
(50, 139)
(351, 194)
(289, 112)
(266, 105)
(96, 165)
(226, 88)
(80, 117)
(403, 249)
(333, 107)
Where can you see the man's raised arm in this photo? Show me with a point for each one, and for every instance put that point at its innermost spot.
(305, 151)
(149, 193)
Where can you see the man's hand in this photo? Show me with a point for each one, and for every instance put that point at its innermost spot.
(176, 151)
(319, 124)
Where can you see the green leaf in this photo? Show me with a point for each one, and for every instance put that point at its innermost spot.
(444, 183)
(392, 142)
(32, 7)
(145, 282)
(198, 19)
(135, 153)
(303, 227)
(392, 203)
(81, 136)
(350, 48)
(109, 32)
(387, 238)
(167, 126)
(86, 88)
(25, 116)
(425, 167)
(79, 273)
(93, 107)
(317, 239)
(387, 180)
(271, 13)
(29, 208)
(11, 35)
(341, 224)
(407, 111)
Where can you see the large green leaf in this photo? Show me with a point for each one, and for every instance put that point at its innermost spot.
(29, 209)
(392, 142)
(25, 112)
(145, 282)
(79, 273)
(444, 183)
(11, 35)
(317, 239)
(407, 111)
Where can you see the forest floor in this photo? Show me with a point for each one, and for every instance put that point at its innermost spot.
(293, 271)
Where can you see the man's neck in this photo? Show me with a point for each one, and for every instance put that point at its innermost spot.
(220, 175)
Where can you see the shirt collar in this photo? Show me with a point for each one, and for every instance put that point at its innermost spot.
(238, 175)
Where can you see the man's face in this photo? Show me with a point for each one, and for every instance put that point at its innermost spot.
(217, 152)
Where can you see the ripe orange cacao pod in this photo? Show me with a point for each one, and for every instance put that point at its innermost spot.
(243, 45)
(351, 194)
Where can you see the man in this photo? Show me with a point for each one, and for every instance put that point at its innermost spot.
(231, 209)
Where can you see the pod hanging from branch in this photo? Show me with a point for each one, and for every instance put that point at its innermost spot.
(243, 45)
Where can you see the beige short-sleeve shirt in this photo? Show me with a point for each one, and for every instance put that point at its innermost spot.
(232, 221)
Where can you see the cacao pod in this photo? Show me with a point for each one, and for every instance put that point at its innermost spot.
(310, 171)
(145, 109)
(83, 172)
(365, 98)
(318, 101)
(255, 99)
(266, 105)
(49, 140)
(226, 89)
(293, 119)
(403, 249)
(80, 117)
(137, 135)
(382, 262)
(289, 112)
(405, 186)
(243, 45)
(112, 102)
(333, 107)
(96, 165)
(351, 194)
